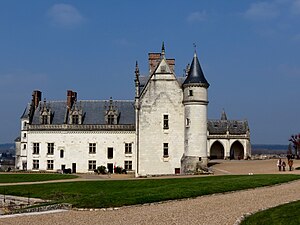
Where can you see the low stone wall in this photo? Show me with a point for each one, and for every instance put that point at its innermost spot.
(42, 208)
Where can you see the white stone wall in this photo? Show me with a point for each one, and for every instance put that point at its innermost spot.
(162, 96)
(76, 148)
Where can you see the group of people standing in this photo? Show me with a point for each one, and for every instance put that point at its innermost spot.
(282, 164)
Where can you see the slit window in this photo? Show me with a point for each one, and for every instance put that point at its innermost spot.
(166, 121)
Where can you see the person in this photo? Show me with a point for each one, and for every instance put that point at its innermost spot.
(279, 164)
(283, 165)
(290, 163)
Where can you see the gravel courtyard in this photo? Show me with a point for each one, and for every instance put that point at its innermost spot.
(214, 209)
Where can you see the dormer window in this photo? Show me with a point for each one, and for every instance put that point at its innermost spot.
(75, 115)
(112, 114)
(44, 119)
(45, 116)
(110, 119)
(75, 119)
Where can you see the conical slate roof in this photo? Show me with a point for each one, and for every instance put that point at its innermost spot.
(195, 75)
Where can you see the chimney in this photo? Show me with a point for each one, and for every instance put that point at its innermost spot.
(36, 98)
(171, 63)
(71, 98)
(154, 59)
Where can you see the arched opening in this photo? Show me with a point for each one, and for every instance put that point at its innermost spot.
(217, 151)
(237, 150)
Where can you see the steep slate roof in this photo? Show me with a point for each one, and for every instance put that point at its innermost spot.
(232, 126)
(93, 111)
(195, 75)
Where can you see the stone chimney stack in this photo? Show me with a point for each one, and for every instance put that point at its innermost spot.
(171, 63)
(154, 59)
(71, 98)
(36, 98)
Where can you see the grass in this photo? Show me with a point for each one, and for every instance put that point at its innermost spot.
(98, 194)
(33, 177)
(284, 214)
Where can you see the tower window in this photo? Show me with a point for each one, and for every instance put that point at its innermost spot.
(166, 150)
(188, 122)
(166, 121)
(190, 92)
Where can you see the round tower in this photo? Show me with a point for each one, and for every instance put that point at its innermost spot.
(195, 113)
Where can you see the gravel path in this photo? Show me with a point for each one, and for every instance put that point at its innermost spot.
(214, 209)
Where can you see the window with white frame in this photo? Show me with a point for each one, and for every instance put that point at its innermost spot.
(166, 121)
(166, 149)
(50, 149)
(92, 165)
(92, 148)
(128, 165)
(36, 164)
(50, 164)
(36, 148)
(128, 148)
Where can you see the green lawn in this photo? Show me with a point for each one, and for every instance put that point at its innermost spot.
(32, 177)
(97, 194)
(285, 214)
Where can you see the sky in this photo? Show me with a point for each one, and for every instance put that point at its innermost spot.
(249, 52)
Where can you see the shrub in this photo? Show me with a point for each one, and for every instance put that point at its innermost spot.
(118, 169)
(100, 170)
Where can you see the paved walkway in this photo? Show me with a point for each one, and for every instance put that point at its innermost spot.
(213, 209)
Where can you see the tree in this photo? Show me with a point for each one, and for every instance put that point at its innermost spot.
(295, 140)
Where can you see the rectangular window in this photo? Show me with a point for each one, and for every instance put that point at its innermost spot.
(92, 165)
(110, 153)
(36, 164)
(50, 164)
(166, 149)
(50, 149)
(92, 148)
(36, 148)
(61, 153)
(190, 92)
(166, 121)
(128, 165)
(128, 148)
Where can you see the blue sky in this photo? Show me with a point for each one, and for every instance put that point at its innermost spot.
(249, 52)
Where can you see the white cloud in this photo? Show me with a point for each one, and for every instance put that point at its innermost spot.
(262, 11)
(65, 15)
(197, 16)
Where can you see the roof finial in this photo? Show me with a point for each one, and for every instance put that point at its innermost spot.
(195, 49)
(137, 71)
(163, 50)
(223, 115)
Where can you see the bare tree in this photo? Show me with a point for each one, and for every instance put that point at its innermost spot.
(295, 140)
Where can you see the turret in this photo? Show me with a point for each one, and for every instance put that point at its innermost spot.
(195, 111)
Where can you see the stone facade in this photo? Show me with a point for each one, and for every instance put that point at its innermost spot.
(163, 131)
